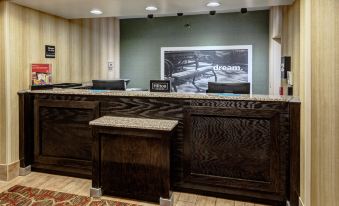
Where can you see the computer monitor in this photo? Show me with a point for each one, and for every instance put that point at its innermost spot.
(235, 88)
(109, 84)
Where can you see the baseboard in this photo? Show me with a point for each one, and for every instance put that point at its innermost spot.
(9, 172)
(301, 202)
(3, 172)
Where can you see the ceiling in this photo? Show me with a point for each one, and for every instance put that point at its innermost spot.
(72, 9)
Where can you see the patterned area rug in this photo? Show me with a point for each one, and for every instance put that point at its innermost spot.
(27, 196)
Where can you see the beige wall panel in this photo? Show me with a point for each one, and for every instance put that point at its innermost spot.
(31, 45)
(75, 51)
(15, 67)
(275, 30)
(111, 47)
(99, 47)
(62, 68)
(85, 51)
(48, 32)
(2, 87)
(291, 41)
(95, 48)
(33, 32)
(325, 132)
(48, 29)
(116, 42)
(276, 22)
(104, 41)
(286, 38)
(296, 50)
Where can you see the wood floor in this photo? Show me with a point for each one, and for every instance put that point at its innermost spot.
(81, 187)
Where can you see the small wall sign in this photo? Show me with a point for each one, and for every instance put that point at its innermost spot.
(160, 86)
(49, 51)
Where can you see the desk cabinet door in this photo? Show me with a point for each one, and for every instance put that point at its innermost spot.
(234, 148)
(63, 137)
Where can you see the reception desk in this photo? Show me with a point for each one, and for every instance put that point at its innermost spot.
(240, 147)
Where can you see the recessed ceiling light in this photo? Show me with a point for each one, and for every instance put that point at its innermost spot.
(96, 11)
(213, 4)
(151, 8)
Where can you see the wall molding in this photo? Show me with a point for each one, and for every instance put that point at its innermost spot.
(306, 98)
(10, 171)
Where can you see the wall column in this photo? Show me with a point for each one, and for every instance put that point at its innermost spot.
(3, 141)
(306, 99)
(275, 50)
(9, 164)
(325, 103)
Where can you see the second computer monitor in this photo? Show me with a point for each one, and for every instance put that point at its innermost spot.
(235, 88)
(109, 84)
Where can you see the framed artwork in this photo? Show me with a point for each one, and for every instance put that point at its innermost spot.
(191, 68)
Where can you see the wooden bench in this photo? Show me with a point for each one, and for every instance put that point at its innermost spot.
(131, 158)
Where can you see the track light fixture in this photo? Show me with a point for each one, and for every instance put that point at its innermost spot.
(150, 16)
(212, 13)
(243, 10)
(180, 14)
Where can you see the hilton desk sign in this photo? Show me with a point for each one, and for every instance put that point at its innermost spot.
(160, 86)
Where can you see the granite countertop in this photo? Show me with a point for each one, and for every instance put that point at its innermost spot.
(201, 96)
(135, 123)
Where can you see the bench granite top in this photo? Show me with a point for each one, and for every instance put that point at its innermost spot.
(135, 123)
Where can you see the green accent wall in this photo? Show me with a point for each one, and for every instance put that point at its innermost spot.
(141, 40)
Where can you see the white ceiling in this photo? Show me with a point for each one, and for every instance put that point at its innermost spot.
(72, 9)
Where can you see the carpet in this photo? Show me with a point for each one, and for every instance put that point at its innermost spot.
(27, 196)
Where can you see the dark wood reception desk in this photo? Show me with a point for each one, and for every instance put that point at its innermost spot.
(241, 147)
